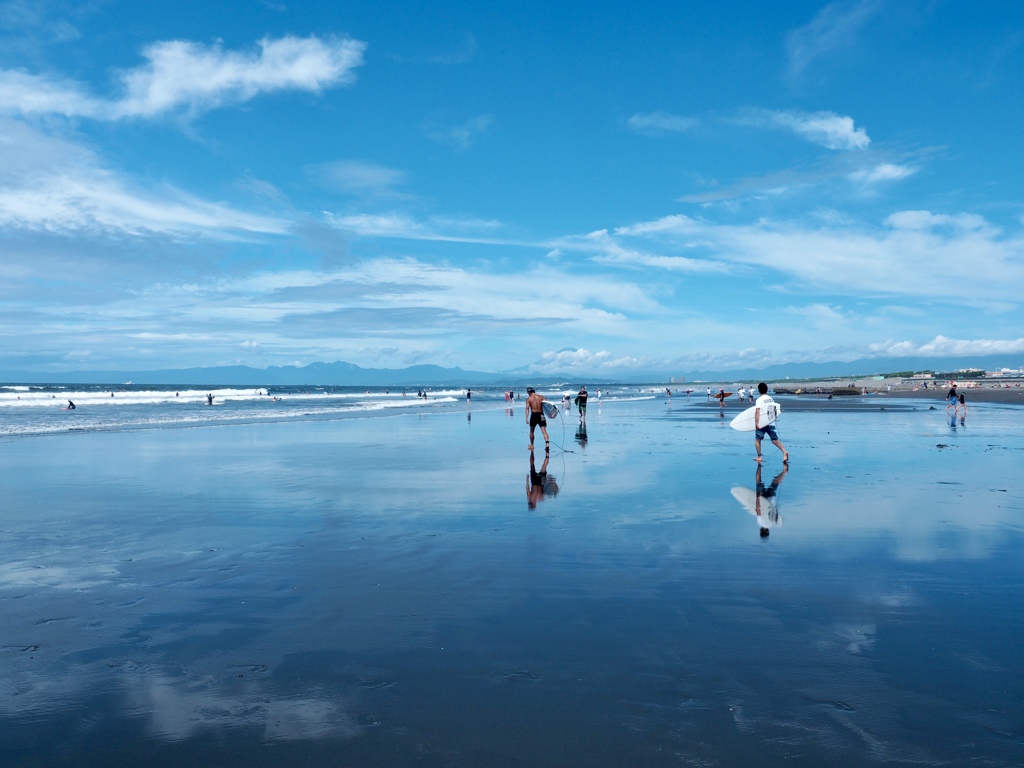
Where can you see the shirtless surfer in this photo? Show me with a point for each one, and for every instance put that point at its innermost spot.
(535, 417)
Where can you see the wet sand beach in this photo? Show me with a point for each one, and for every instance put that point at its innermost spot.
(411, 590)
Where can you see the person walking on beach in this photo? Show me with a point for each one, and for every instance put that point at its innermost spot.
(469, 396)
(535, 416)
(581, 403)
(765, 406)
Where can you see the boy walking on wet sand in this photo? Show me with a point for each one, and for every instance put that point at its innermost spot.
(766, 408)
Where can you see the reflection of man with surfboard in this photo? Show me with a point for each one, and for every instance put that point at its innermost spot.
(535, 416)
(766, 411)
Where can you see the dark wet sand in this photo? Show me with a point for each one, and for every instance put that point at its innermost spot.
(410, 591)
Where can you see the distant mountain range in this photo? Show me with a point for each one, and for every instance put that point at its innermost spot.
(347, 374)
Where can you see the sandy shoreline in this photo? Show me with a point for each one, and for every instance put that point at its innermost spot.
(983, 393)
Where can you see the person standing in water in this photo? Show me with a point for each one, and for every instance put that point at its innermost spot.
(535, 416)
(765, 407)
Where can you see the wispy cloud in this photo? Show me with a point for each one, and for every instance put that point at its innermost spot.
(661, 122)
(957, 257)
(834, 27)
(459, 136)
(826, 129)
(55, 185)
(881, 173)
(189, 78)
(360, 178)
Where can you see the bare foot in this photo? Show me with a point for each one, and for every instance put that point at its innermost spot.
(758, 459)
(785, 457)
(531, 446)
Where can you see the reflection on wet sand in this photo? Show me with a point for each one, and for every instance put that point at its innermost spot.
(539, 484)
(763, 501)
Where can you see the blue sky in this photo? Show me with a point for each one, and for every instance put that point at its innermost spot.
(591, 187)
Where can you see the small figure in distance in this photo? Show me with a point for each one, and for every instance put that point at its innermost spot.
(71, 406)
(535, 416)
(581, 403)
(762, 407)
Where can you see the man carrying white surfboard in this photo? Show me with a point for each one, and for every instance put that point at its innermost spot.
(766, 410)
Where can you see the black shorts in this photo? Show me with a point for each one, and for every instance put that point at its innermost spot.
(538, 420)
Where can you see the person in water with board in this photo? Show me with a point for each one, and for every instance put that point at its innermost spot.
(535, 416)
(763, 404)
(581, 403)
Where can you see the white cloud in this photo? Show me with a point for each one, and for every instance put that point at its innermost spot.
(183, 76)
(825, 129)
(835, 27)
(925, 220)
(661, 122)
(942, 346)
(610, 251)
(958, 257)
(51, 184)
(881, 173)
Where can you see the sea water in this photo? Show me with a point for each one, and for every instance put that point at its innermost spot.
(416, 588)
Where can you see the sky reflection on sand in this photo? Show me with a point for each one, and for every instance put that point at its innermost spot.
(383, 584)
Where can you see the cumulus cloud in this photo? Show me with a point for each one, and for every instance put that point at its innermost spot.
(584, 361)
(941, 346)
(661, 122)
(186, 77)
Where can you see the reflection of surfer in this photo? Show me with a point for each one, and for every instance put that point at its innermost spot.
(766, 503)
(535, 416)
(762, 407)
(539, 484)
(581, 434)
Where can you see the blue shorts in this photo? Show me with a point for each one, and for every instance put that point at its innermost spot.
(769, 430)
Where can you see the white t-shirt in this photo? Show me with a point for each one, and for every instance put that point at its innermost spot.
(769, 410)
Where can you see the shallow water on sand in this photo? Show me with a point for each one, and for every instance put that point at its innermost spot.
(390, 591)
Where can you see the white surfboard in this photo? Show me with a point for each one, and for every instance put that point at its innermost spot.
(747, 497)
(550, 410)
(744, 422)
